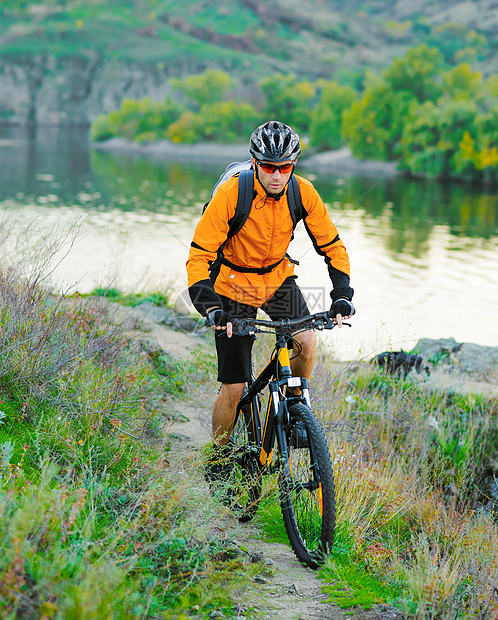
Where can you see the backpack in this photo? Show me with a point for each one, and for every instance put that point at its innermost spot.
(245, 197)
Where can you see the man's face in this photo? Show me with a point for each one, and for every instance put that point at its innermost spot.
(274, 181)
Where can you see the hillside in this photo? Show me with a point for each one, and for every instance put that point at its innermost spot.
(71, 61)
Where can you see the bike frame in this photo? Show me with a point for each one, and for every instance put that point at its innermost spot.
(277, 375)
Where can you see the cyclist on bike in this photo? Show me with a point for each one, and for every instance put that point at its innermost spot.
(256, 272)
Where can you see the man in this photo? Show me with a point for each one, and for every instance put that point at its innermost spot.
(256, 271)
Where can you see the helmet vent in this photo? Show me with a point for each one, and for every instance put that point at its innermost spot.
(274, 141)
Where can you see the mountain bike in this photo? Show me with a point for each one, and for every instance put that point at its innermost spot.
(287, 440)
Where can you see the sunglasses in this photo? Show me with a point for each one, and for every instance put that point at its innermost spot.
(271, 168)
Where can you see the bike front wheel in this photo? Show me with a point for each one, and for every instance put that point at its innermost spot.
(306, 484)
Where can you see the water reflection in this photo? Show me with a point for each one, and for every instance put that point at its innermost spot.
(55, 165)
(417, 248)
(418, 205)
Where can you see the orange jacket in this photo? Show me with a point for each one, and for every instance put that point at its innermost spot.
(262, 241)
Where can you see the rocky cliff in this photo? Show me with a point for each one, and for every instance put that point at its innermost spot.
(68, 63)
(75, 90)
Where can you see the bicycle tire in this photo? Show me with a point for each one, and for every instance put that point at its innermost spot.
(245, 481)
(307, 490)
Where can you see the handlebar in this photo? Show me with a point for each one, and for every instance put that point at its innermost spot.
(285, 327)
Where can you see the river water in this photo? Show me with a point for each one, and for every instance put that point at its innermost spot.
(423, 254)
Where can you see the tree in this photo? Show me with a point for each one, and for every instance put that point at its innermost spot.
(288, 100)
(462, 83)
(373, 126)
(457, 43)
(225, 121)
(456, 136)
(136, 120)
(416, 73)
(326, 118)
(204, 88)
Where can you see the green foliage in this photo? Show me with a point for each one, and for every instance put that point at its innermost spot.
(93, 522)
(438, 121)
(416, 73)
(136, 120)
(326, 117)
(225, 121)
(288, 100)
(451, 138)
(222, 121)
(204, 88)
(406, 462)
(441, 122)
(457, 43)
(269, 514)
(461, 82)
(14, 6)
(351, 584)
(158, 298)
(374, 124)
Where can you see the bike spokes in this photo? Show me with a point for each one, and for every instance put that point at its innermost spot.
(307, 489)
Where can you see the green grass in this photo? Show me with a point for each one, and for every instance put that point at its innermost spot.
(269, 515)
(158, 298)
(347, 579)
(316, 32)
(407, 463)
(93, 521)
(350, 584)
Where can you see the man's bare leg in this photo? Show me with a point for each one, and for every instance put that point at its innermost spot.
(302, 365)
(225, 405)
(224, 410)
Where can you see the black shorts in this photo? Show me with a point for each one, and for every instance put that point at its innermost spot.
(234, 354)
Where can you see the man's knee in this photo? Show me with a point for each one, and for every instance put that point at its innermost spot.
(307, 340)
(232, 391)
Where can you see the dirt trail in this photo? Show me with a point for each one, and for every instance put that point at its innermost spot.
(289, 590)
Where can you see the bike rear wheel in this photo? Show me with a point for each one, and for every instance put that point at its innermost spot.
(245, 476)
(307, 491)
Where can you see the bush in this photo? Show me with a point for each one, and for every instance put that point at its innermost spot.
(326, 118)
(136, 120)
(219, 122)
(92, 521)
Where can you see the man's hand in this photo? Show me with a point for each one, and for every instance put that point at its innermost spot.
(341, 309)
(219, 319)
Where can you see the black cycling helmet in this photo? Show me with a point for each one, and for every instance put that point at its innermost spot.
(274, 141)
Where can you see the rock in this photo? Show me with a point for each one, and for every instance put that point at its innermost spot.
(475, 360)
(342, 161)
(259, 579)
(436, 350)
(169, 317)
(156, 314)
(188, 323)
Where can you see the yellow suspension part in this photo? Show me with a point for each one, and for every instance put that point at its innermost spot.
(283, 358)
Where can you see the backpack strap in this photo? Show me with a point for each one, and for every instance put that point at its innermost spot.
(296, 208)
(244, 202)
